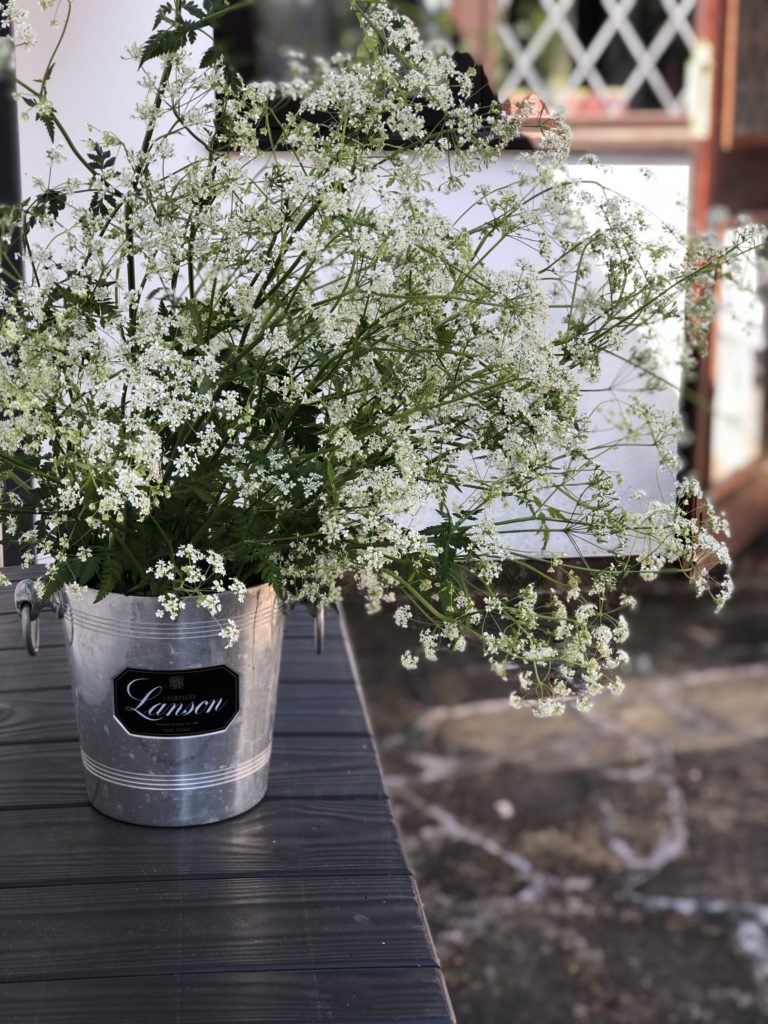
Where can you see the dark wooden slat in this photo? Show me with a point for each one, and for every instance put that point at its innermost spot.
(41, 775)
(77, 844)
(189, 926)
(50, 774)
(299, 626)
(296, 669)
(35, 716)
(303, 642)
(319, 708)
(324, 766)
(394, 996)
(10, 632)
(300, 658)
(19, 671)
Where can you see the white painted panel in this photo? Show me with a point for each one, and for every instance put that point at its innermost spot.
(93, 81)
(662, 188)
(738, 413)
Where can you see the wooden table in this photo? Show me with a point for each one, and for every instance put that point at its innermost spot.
(300, 911)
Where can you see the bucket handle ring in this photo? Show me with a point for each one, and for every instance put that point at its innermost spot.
(29, 605)
(318, 614)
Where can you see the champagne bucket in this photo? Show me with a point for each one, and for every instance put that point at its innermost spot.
(175, 727)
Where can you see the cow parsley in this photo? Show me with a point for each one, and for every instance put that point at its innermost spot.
(280, 362)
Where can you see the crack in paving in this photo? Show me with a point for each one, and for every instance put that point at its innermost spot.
(673, 841)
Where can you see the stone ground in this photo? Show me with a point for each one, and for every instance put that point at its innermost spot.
(609, 868)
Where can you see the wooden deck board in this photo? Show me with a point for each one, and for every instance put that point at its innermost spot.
(188, 926)
(300, 911)
(50, 774)
(58, 846)
(392, 996)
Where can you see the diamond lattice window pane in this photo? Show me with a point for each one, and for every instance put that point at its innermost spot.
(597, 56)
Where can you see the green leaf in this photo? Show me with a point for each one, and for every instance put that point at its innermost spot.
(162, 13)
(48, 72)
(49, 123)
(51, 203)
(104, 206)
(170, 40)
(210, 57)
(111, 572)
(100, 159)
(55, 201)
(164, 42)
(89, 570)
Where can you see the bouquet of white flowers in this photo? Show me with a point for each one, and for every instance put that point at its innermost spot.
(278, 361)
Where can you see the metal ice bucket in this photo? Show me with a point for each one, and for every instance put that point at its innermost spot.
(175, 728)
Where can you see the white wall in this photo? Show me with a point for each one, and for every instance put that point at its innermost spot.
(93, 81)
(663, 192)
(738, 412)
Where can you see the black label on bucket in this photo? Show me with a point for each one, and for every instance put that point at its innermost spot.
(176, 703)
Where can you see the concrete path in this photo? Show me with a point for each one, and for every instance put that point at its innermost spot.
(611, 867)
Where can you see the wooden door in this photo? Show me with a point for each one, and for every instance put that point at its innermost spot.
(730, 179)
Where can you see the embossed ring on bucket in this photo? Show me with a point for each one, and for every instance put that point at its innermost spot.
(175, 727)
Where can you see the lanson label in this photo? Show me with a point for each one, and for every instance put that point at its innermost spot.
(190, 703)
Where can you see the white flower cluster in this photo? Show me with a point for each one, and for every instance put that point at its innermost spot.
(259, 365)
(203, 575)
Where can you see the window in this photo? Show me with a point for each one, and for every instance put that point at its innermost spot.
(597, 57)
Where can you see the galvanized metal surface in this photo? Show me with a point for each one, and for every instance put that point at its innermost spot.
(182, 779)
